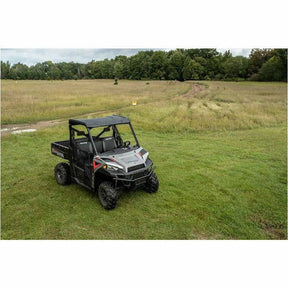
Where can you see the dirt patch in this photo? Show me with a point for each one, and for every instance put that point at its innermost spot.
(195, 89)
(23, 131)
(274, 230)
(17, 128)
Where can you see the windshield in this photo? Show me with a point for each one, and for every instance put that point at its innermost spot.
(114, 138)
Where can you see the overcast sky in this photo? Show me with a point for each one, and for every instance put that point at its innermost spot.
(33, 56)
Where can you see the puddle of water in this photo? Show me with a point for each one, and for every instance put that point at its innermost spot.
(23, 131)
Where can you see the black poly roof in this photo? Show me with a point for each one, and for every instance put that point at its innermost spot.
(101, 121)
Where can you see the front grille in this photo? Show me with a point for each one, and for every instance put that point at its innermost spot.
(138, 175)
(133, 168)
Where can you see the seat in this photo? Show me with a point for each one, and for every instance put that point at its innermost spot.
(99, 146)
(109, 144)
(85, 146)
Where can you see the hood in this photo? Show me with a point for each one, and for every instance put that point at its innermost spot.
(132, 160)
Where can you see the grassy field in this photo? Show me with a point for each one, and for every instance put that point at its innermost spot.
(30, 101)
(220, 150)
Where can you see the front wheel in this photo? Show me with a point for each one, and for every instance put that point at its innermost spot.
(152, 183)
(107, 195)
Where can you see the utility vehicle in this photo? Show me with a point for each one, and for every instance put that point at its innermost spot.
(100, 160)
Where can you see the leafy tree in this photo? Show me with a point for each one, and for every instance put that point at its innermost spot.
(192, 70)
(120, 67)
(226, 55)
(179, 64)
(90, 69)
(19, 71)
(204, 53)
(118, 70)
(159, 65)
(209, 60)
(81, 71)
(66, 72)
(107, 69)
(36, 72)
(5, 70)
(257, 58)
(97, 70)
(49, 71)
(176, 63)
(272, 70)
(140, 65)
(203, 67)
(236, 67)
(282, 54)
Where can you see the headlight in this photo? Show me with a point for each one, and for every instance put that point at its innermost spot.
(145, 156)
(113, 167)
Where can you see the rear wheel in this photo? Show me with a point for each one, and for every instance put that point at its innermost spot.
(62, 174)
(152, 183)
(107, 195)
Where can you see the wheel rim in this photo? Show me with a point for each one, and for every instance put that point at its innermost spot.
(59, 175)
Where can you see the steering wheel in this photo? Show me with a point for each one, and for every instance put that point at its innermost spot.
(119, 141)
(126, 143)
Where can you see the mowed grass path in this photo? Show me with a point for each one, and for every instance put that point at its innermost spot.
(218, 180)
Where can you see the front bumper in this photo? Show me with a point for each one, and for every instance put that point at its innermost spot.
(134, 179)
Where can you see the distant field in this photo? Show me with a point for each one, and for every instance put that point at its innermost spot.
(220, 149)
(166, 105)
(31, 101)
(220, 106)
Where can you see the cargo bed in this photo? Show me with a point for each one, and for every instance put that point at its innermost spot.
(61, 149)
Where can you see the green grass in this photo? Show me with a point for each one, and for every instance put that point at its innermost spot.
(217, 185)
(221, 158)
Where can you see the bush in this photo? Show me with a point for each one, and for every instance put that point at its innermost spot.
(272, 70)
(254, 77)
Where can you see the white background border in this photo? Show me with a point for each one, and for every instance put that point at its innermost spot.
(143, 24)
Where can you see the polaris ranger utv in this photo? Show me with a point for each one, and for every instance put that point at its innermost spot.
(100, 160)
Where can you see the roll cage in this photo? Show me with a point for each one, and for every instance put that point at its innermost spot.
(107, 123)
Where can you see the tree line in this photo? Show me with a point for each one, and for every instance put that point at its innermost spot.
(179, 64)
